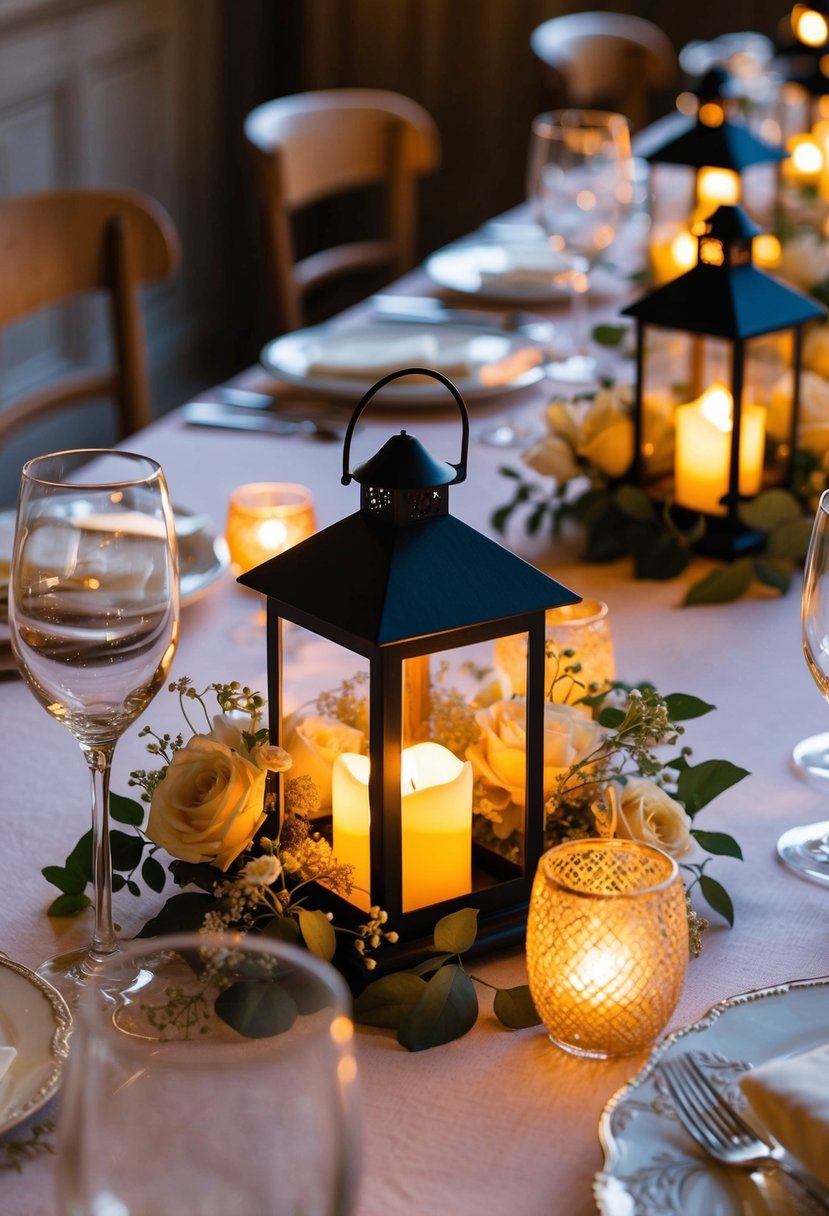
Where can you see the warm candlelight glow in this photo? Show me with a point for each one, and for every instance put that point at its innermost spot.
(766, 250)
(805, 163)
(809, 27)
(436, 823)
(717, 186)
(703, 450)
(607, 945)
(264, 519)
(582, 629)
(672, 257)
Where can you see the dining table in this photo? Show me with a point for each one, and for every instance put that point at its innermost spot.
(499, 1120)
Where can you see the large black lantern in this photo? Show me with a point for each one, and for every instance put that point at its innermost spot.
(406, 589)
(725, 338)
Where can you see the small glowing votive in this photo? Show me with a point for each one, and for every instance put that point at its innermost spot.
(266, 518)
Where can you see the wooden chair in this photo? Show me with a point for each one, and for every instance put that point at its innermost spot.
(319, 145)
(57, 245)
(609, 61)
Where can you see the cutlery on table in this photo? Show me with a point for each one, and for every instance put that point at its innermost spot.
(718, 1129)
(212, 413)
(431, 311)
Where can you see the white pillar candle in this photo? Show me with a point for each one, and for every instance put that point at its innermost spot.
(703, 450)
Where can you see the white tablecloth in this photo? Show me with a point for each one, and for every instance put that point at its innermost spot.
(497, 1121)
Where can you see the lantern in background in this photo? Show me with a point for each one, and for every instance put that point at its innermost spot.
(733, 336)
(404, 587)
(703, 162)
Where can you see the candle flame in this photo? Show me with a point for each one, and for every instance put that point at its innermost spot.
(717, 405)
(806, 157)
(684, 251)
(272, 534)
(809, 27)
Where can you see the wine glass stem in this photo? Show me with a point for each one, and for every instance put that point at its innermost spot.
(99, 760)
(579, 283)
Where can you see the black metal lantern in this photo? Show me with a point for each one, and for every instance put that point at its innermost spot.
(701, 163)
(730, 336)
(401, 584)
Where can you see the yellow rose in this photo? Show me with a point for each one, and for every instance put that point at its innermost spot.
(552, 457)
(813, 424)
(606, 438)
(816, 350)
(499, 757)
(209, 805)
(314, 744)
(647, 814)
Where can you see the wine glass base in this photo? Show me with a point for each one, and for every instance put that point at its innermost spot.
(508, 433)
(806, 851)
(73, 973)
(810, 760)
(575, 369)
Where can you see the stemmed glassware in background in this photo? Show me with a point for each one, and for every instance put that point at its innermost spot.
(806, 849)
(176, 1022)
(580, 186)
(93, 617)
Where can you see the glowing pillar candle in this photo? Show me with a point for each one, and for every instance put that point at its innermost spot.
(436, 823)
(715, 187)
(703, 450)
(805, 163)
(672, 256)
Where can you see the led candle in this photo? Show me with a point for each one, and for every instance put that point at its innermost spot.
(436, 823)
(703, 450)
(716, 187)
(266, 518)
(804, 166)
(672, 256)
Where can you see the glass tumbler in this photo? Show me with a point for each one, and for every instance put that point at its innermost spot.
(607, 945)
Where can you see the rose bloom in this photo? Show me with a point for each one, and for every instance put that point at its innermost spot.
(644, 812)
(606, 438)
(314, 744)
(499, 758)
(209, 805)
(813, 422)
(552, 456)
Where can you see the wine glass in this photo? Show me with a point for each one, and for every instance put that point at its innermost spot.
(806, 849)
(580, 187)
(93, 617)
(211, 1075)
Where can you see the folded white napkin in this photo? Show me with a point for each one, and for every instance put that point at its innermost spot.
(7, 1055)
(373, 356)
(791, 1098)
(526, 266)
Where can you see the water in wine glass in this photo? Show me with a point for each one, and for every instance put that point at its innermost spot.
(806, 849)
(93, 618)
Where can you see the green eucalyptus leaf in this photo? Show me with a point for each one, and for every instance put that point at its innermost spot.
(611, 717)
(68, 905)
(723, 585)
(68, 881)
(182, 913)
(317, 933)
(257, 1009)
(133, 888)
(118, 882)
(500, 518)
(536, 518)
(387, 1001)
(80, 859)
(790, 539)
(431, 964)
(717, 897)
(283, 928)
(446, 1009)
(718, 842)
(660, 556)
(773, 574)
(682, 707)
(153, 873)
(769, 509)
(609, 335)
(126, 849)
(457, 931)
(634, 503)
(126, 810)
(698, 784)
(506, 471)
(513, 1007)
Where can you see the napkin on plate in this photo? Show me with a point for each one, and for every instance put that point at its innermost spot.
(790, 1096)
(7, 1055)
(530, 266)
(372, 357)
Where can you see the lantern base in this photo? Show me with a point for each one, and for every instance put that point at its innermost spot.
(724, 537)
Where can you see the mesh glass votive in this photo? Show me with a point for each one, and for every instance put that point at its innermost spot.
(607, 945)
(265, 518)
(582, 629)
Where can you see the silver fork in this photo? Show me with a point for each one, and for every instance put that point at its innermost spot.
(718, 1128)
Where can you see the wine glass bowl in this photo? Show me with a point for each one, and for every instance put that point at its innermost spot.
(93, 619)
(806, 849)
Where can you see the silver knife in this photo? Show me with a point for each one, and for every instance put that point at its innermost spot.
(211, 413)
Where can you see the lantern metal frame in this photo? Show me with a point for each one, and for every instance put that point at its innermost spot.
(419, 582)
(725, 296)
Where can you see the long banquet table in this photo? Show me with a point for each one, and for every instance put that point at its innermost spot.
(497, 1121)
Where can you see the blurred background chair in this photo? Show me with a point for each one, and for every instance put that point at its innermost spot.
(320, 146)
(608, 61)
(61, 244)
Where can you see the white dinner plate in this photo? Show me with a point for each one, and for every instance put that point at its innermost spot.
(512, 273)
(35, 1020)
(651, 1165)
(480, 360)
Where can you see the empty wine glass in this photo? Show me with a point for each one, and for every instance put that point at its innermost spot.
(93, 617)
(211, 1075)
(580, 187)
(806, 849)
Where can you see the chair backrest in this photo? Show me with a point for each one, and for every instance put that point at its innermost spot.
(611, 60)
(61, 244)
(314, 146)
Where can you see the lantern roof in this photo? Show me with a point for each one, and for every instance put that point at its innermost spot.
(403, 463)
(382, 584)
(735, 301)
(727, 145)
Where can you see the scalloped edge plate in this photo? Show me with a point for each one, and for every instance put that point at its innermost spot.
(34, 1019)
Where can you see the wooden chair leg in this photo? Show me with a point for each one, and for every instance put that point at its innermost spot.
(128, 327)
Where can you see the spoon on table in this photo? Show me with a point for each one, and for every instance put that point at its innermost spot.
(214, 414)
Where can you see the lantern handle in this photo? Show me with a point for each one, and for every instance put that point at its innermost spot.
(460, 467)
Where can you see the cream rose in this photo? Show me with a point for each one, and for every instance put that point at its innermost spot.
(606, 438)
(209, 805)
(813, 424)
(499, 757)
(644, 812)
(552, 457)
(314, 744)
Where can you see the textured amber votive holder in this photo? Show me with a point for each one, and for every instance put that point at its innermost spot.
(266, 518)
(607, 945)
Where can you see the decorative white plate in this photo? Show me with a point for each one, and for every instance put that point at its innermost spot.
(35, 1020)
(480, 360)
(515, 273)
(652, 1167)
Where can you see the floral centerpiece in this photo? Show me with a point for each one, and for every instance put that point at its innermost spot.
(210, 807)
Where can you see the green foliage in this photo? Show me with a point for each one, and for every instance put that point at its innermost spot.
(387, 1001)
(317, 933)
(514, 1008)
(698, 784)
(609, 335)
(457, 932)
(257, 1009)
(446, 1009)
